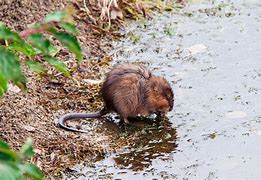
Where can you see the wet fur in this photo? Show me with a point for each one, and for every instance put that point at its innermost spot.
(130, 90)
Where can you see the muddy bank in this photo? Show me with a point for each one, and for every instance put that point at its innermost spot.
(33, 114)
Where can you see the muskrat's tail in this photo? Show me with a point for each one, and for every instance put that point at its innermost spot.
(68, 116)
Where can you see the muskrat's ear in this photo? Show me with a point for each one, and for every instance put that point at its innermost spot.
(154, 85)
(156, 88)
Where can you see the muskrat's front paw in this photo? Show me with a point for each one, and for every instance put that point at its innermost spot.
(126, 120)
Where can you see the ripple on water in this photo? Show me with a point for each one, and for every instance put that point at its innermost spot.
(214, 129)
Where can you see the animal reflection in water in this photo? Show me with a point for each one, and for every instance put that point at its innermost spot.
(141, 142)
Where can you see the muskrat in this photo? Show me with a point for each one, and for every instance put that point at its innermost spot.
(130, 90)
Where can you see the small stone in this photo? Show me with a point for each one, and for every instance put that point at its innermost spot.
(29, 128)
(52, 156)
(13, 88)
(37, 151)
(92, 81)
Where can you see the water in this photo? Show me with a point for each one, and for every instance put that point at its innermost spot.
(214, 131)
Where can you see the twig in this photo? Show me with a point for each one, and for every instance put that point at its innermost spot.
(6, 42)
(43, 29)
(86, 8)
(28, 32)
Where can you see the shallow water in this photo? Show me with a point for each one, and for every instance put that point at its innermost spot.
(211, 54)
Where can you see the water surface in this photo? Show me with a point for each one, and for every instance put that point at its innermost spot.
(211, 55)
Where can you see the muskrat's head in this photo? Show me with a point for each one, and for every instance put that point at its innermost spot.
(160, 94)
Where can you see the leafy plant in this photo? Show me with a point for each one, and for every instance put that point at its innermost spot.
(35, 42)
(134, 38)
(13, 165)
(169, 30)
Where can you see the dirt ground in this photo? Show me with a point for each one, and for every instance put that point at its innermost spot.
(33, 114)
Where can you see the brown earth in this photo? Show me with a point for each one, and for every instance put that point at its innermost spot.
(34, 113)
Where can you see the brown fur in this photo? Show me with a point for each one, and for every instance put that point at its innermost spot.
(130, 90)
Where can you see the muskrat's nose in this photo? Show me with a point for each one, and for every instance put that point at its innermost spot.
(171, 105)
(165, 111)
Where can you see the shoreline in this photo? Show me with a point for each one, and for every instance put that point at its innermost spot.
(34, 113)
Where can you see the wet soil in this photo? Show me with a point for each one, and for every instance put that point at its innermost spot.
(210, 52)
(34, 113)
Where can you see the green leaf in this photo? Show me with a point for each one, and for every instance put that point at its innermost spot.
(27, 148)
(7, 154)
(7, 34)
(12, 166)
(60, 66)
(24, 48)
(4, 145)
(31, 170)
(10, 68)
(69, 41)
(133, 37)
(70, 28)
(38, 41)
(52, 51)
(56, 16)
(18, 43)
(36, 67)
(9, 172)
(3, 86)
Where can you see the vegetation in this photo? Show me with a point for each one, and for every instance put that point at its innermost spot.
(33, 43)
(26, 47)
(13, 165)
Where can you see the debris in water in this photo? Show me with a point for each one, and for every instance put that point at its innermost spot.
(197, 48)
(236, 114)
(257, 132)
